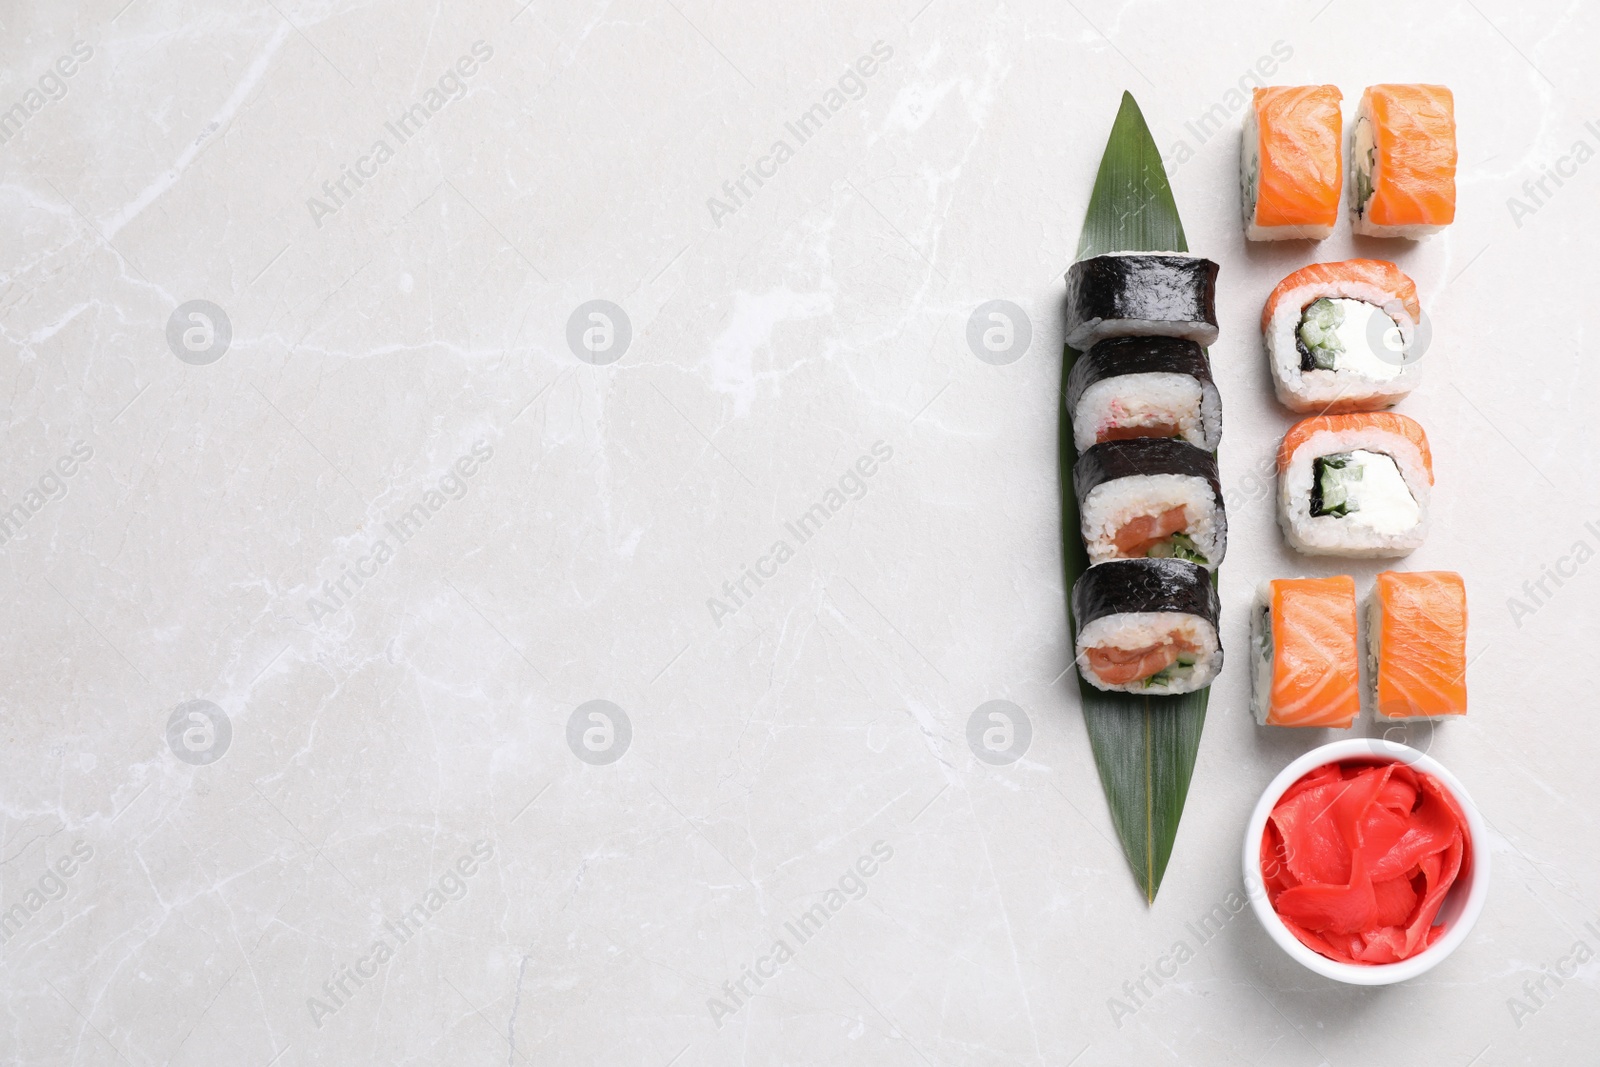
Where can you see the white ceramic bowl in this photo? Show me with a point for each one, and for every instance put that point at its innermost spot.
(1461, 905)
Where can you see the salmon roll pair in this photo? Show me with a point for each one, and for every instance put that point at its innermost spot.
(1402, 162)
(1303, 640)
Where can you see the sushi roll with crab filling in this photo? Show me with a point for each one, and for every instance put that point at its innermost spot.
(1355, 485)
(1153, 497)
(1417, 645)
(1147, 626)
(1340, 336)
(1141, 294)
(1303, 644)
(1130, 387)
(1292, 162)
(1403, 161)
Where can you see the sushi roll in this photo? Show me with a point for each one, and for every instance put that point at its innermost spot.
(1303, 644)
(1340, 336)
(1147, 626)
(1417, 645)
(1403, 161)
(1150, 496)
(1141, 294)
(1144, 387)
(1292, 162)
(1354, 485)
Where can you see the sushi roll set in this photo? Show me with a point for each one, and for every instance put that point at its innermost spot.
(1305, 667)
(1354, 479)
(1146, 419)
(1402, 162)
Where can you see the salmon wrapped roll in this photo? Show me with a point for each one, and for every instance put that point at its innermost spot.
(1291, 162)
(1417, 645)
(1341, 336)
(1304, 669)
(1355, 485)
(1403, 161)
(1147, 626)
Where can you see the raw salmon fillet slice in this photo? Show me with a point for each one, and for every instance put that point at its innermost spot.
(1414, 132)
(1385, 421)
(1314, 664)
(1421, 644)
(1301, 162)
(1377, 272)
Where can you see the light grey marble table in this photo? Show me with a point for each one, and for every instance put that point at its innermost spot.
(334, 502)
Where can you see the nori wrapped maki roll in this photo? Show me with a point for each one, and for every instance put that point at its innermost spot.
(1141, 294)
(1147, 626)
(1127, 387)
(1151, 496)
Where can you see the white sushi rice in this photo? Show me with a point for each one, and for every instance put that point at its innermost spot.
(1374, 615)
(1250, 186)
(1369, 380)
(1261, 653)
(1353, 535)
(1091, 332)
(1112, 505)
(1148, 400)
(1141, 629)
(1366, 170)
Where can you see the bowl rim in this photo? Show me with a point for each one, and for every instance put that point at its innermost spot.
(1380, 973)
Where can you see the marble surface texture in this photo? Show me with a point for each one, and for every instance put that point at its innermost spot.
(403, 408)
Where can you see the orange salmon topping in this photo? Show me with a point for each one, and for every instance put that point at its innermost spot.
(1422, 651)
(1314, 672)
(1414, 131)
(1385, 421)
(1378, 272)
(1301, 155)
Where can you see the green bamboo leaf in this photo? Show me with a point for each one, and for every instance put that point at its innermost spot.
(1144, 746)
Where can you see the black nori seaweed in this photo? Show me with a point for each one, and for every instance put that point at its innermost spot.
(1110, 460)
(1117, 356)
(1161, 288)
(1129, 585)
